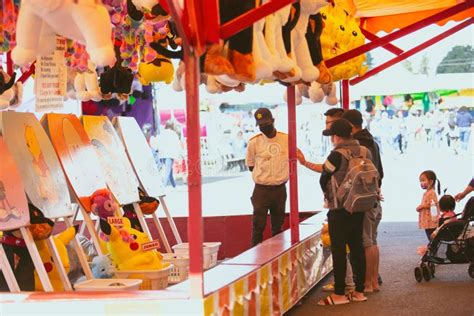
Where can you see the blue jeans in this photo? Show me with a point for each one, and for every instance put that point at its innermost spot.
(464, 135)
(168, 163)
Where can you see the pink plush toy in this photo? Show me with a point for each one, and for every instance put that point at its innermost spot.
(103, 204)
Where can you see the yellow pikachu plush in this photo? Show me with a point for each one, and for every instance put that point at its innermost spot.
(125, 246)
(60, 240)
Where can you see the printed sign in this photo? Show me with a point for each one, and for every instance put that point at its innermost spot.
(155, 244)
(38, 164)
(116, 221)
(51, 79)
(13, 205)
(116, 167)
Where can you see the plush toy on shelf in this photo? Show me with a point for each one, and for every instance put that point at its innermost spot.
(60, 241)
(148, 9)
(116, 80)
(125, 246)
(103, 204)
(11, 92)
(85, 21)
(313, 35)
(290, 21)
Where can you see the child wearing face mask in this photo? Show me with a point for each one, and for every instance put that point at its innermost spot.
(426, 221)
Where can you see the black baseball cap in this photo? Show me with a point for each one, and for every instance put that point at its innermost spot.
(263, 116)
(354, 117)
(334, 112)
(341, 128)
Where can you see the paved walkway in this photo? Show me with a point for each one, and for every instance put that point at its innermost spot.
(450, 293)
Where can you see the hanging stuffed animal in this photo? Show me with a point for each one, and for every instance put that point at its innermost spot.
(86, 84)
(60, 241)
(116, 80)
(103, 204)
(295, 74)
(11, 92)
(298, 37)
(125, 248)
(274, 39)
(239, 45)
(86, 21)
(341, 33)
(148, 9)
(261, 54)
(313, 34)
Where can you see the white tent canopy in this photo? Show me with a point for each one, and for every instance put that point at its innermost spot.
(398, 80)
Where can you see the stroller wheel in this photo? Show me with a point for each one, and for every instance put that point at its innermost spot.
(418, 274)
(426, 273)
(432, 269)
(471, 270)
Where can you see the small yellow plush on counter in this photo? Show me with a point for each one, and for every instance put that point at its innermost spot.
(125, 246)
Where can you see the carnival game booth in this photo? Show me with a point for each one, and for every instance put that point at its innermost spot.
(59, 162)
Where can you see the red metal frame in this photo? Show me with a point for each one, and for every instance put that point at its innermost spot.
(293, 165)
(195, 231)
(390, 47)
(24, 76)
(9, 63)
(345, 94)
(247, 19)
(412, 51)
(400, 33)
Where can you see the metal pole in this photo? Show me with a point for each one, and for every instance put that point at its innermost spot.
(195, 231)
(345, 94)
(293, 165)
(412, 51)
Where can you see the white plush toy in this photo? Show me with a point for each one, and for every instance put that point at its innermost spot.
(298, 39)
(274, 38)
(86, 21)
(86, 85)
(264, 63)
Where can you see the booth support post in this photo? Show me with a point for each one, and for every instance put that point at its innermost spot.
(195, 231)
(345, 94)
(293, 165)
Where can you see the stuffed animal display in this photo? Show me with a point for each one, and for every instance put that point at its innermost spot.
(60, 241)
(39, 21)
(125, 248)
(86, 85)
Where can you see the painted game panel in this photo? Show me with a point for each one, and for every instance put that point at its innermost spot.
(140, 155)
(44, 181)
(77, 156)
(13, 205)
(113, 159)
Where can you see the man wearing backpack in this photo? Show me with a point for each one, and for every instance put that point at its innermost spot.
(350, 182)
(372, 218)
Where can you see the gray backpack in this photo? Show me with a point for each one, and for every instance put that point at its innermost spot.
(358, 192)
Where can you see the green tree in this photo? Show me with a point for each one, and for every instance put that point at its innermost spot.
(460, 59)
(424, 65)
(407, 65)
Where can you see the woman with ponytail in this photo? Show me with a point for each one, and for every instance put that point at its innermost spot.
(426, 220)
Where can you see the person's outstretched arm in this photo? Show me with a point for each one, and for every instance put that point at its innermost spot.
(467, 190)
(316, 167)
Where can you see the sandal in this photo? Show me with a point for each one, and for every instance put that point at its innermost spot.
(330, 301)
(351, 297)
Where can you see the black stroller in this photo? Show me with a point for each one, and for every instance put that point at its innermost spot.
(460, 245)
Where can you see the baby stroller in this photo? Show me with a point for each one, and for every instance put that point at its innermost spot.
(460, 245)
